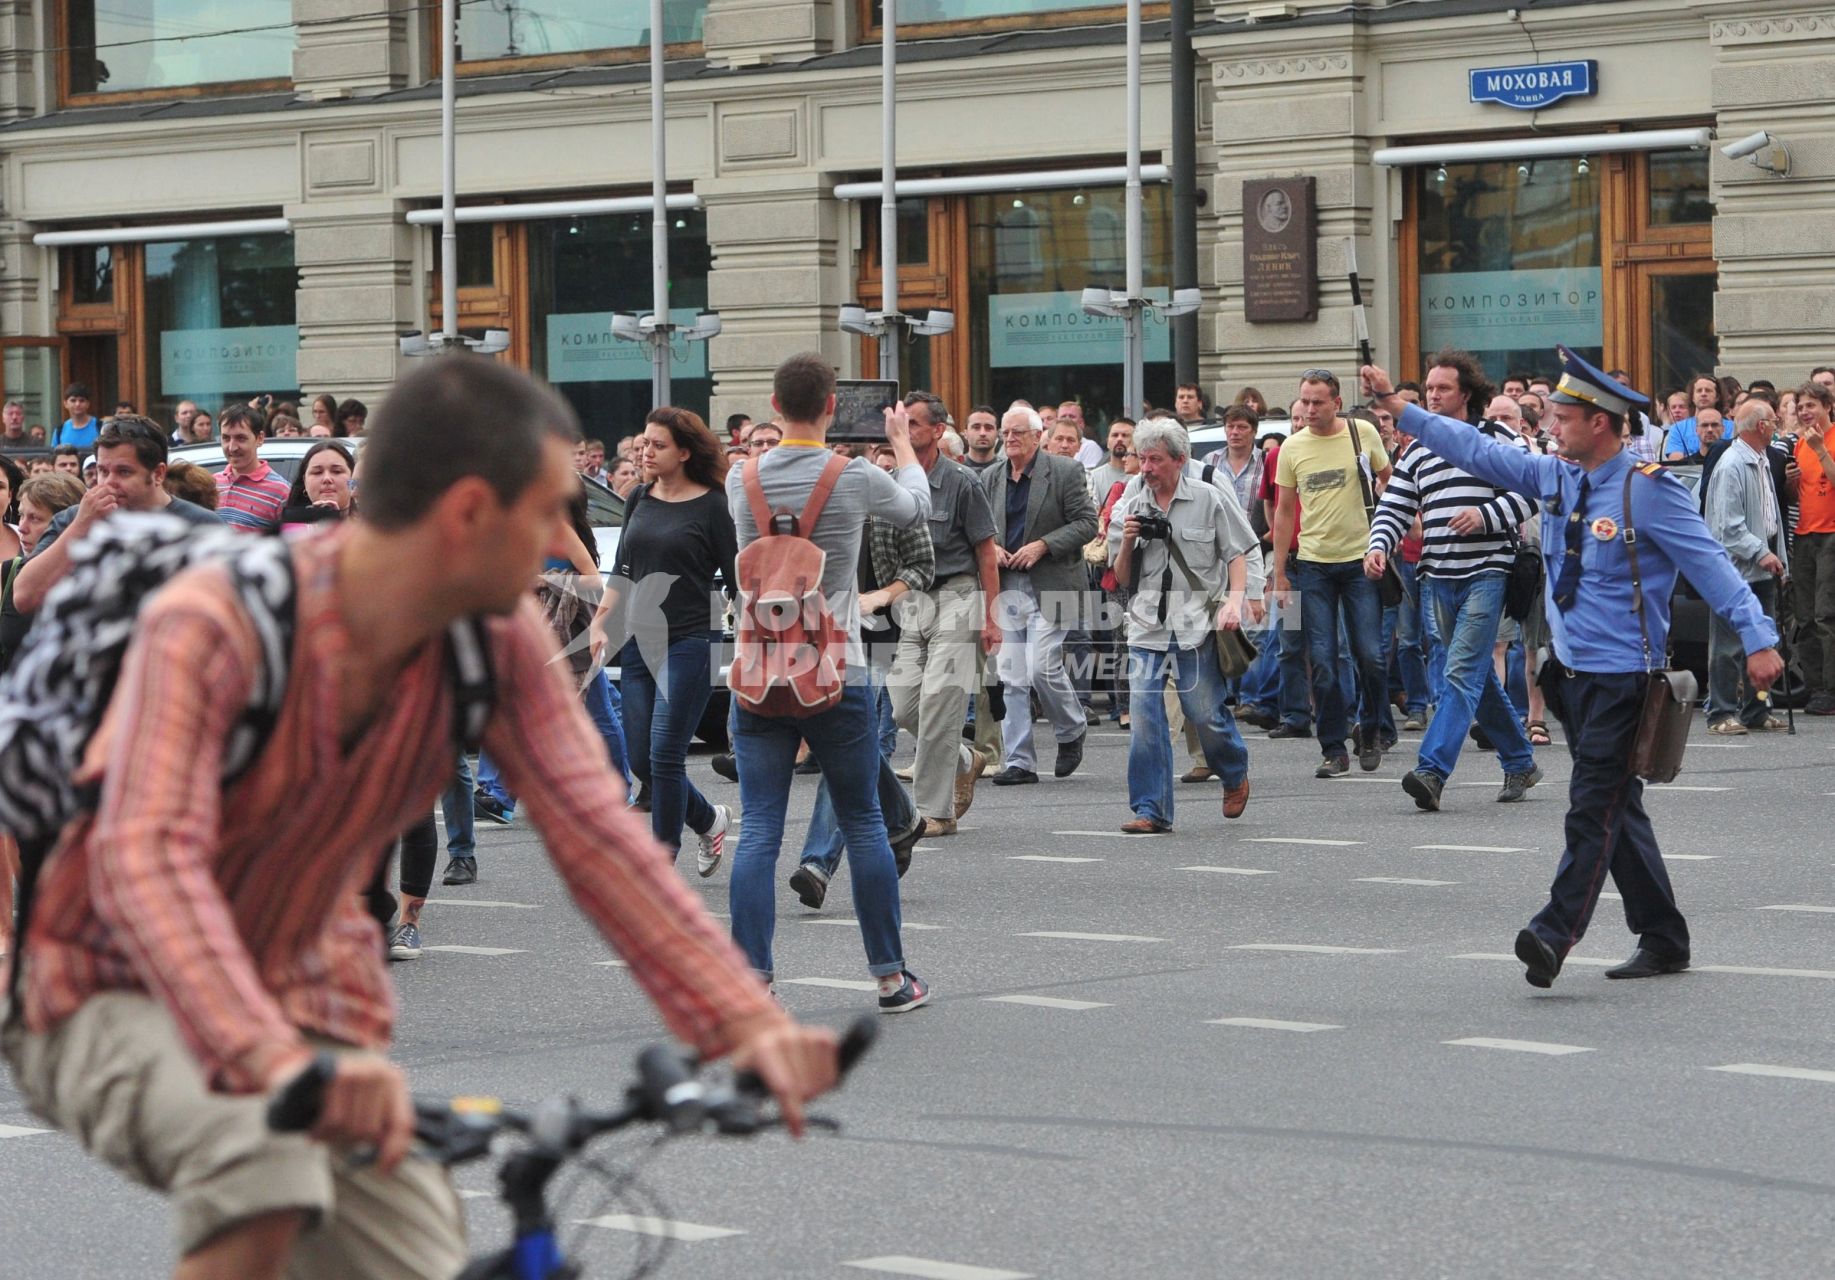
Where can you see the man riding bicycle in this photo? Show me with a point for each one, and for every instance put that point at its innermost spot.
(194, 945)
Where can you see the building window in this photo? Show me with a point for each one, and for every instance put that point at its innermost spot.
(924, 17)
(158, 48)
(494, 31)
(218, 323)
(31, 372)
(1030, 256)
(1510, 262)
(581, 270)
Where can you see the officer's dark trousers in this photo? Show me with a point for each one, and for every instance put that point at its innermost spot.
(1607, 828)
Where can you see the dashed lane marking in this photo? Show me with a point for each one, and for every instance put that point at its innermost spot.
(1691, 857)
(931, 1269)
(687, 1232)
(1671, 786)
(1425, 884)
(1046, 857)
(476, 1195)
(1760, 971)
(458, 950)
(1048, 1002)
(1330, 844)
(19, 1131)
(1315, 950)
(1520, 1046)
(611, 964)
(839, 984)
(1230, 871)
(1108, 835)
(481, 902)
(1802, 906)
(1470, 848)
(1273, 1024)
(1091, 937)
(1501, 955)
(1781, 1073)
(850, 922)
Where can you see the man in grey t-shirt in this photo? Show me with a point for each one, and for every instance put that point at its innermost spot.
(842, 738)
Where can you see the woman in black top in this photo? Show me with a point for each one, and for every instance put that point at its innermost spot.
(677, 535)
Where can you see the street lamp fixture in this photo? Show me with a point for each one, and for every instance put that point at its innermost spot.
(416, 343)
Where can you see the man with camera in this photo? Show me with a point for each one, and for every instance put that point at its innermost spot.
(1185, 551)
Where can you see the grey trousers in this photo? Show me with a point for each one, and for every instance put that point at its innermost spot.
(938, 651)
(1032, 660)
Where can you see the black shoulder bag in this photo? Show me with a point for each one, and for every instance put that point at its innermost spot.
(1390, 584)
(1669, 697)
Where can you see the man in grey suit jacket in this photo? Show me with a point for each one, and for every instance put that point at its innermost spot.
(1043, 518)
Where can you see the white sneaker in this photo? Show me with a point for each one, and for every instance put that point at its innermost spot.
(713, 842)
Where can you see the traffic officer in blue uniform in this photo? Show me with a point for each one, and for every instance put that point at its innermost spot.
(1596, 682)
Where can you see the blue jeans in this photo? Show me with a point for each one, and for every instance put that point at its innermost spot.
(1295, 695)
(1326, 592)
(455, 807)
(1467, 611)
(844, 742)
(1199, 683)
(1516, 678)
(603, 706)
(1409, 643)
(822, 843)
(663, 718)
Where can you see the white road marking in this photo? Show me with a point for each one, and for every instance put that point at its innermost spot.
(1616, 897)
(850, 922)
(1520, 1046)
(476, 1195)
(611, 964)
(839, 984)
(1315, 950)
(1690, 857)
(1403, 880)
(1230, 871)
(1671, 786)
(1044, 857)
(931, 1269)
(1761, 972)
(664, 1227)
(1273, 1024)
(481, 902)
(18, 1131)
(1781, 1073)
(1108, 835)
(1469, 848)
(1802, 906)
(1048, 1002)
(1500, 955)
(457, 950)
(1330, 844)
(1092, 937)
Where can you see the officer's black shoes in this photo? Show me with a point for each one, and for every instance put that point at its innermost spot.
(1646, 964)
(1540, 962)
(1424, 787)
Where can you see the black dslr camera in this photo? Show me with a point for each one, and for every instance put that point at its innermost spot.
(1153, 527)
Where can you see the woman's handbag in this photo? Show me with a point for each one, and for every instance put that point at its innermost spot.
(1669, 697)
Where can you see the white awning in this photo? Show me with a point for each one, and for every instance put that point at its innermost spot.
(551, 209)
(974, 183)
(1567, 144)
(165, 231)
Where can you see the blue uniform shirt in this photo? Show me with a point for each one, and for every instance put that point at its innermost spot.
(1600, 632)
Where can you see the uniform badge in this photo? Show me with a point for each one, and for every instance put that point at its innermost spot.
(1605, 528)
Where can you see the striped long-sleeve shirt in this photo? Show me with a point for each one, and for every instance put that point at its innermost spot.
(240, 910)
(1427, 485)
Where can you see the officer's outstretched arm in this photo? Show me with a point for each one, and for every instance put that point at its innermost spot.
(1495, 463)
(1663, 511)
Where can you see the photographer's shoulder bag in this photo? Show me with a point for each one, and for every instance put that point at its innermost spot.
(1669, 696)
(1235, 651)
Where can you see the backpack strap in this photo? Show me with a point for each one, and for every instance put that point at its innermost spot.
(474, 684)
(818, 496)
(755, 494)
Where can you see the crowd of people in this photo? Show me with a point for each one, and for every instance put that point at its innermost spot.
(1384, 558)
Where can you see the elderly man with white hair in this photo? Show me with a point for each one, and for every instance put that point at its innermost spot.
(1043, 517)
(1744, 516)
(1184, 549)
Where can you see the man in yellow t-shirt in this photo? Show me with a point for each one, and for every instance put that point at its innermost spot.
(1330, 477)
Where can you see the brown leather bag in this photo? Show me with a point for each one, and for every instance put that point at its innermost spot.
(1669, 696)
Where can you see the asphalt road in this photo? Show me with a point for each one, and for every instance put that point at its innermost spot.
(1292, 1047)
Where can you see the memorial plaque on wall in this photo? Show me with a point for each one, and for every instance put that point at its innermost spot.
(1280, 268)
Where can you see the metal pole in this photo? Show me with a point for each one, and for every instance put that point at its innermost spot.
(449, 175)
(1132, 374)
(659, 213)
(1184, 188)
(888, 191)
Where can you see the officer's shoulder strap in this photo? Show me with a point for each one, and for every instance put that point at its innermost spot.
(1652, 468)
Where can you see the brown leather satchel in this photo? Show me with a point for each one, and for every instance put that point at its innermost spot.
(1669, 696)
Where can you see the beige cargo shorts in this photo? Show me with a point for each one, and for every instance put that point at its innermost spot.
(117, 1076)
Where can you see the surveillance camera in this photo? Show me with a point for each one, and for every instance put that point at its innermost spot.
(1751, 144)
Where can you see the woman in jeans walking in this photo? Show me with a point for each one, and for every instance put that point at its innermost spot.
(677, 535)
